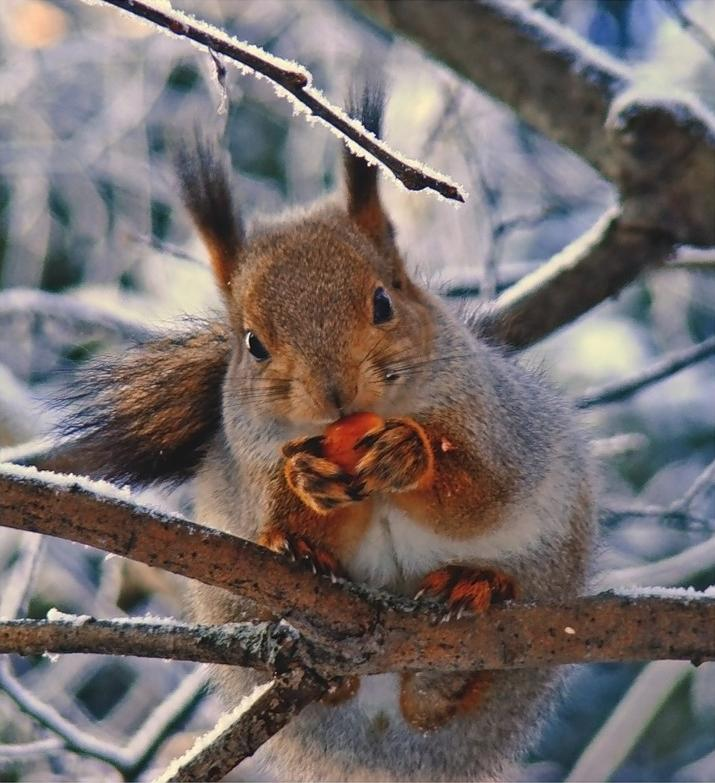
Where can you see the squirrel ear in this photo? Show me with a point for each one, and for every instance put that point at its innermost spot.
(204, 173)
(364, 206)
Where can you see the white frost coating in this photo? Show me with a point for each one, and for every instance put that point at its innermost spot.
(223, 726)
(102, 490)
(666, 592)
(148, 619)
(684, 106)
(66, 481)
(567, 258)
(593, 64)
(182, 19)
(55, 615)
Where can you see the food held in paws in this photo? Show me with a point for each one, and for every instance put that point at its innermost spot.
(342, 436)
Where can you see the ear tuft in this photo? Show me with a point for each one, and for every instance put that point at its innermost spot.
(364, 207)
(204, 173)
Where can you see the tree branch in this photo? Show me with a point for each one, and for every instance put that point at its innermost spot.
(242, 731)
(554, 67)
(670, 364)
(350, 629)
(591, 269)
(295, 81)
(263, 646)
(607, 628)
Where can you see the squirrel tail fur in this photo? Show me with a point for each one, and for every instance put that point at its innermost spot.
(147, 414)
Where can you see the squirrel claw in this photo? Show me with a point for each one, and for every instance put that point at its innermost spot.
(465, 589)
(322, 485)
(300, 550)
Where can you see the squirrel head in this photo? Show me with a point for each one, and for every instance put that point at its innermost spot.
(326, 320)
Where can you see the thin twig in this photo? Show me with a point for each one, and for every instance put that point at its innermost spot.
(630, 718)
(263, 646)
(670, 364)
(242, 731)
(28, 751)
(678, 510)
(176, 707)
(294, 80)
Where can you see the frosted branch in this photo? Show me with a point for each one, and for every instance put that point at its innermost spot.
(591, 269)
(294, 82)
(243, 730)
(337, 620)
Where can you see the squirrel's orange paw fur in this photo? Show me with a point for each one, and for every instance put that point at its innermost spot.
(399, 457)
(301, 550)
(467, 589)
(322, 485)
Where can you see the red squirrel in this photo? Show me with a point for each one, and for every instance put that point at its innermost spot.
(470, 482)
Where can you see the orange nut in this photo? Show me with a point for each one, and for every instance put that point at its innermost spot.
(342, 435)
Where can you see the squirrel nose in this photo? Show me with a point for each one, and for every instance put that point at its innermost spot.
(339, 398)
(336, 397)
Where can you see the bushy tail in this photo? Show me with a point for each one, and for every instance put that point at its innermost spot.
(148, 414)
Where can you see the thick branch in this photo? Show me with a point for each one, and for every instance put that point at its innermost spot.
(351, 628)
(593, 268)
(659, 150)
(295, 81)
(240, 733)
(523, 58)
(603, 628)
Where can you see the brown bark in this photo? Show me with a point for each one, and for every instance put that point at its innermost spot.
(348, 628)
(240, 734)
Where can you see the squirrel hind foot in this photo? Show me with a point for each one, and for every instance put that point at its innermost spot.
(302, 551)
(463, 589)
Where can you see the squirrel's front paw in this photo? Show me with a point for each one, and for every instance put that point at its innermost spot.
(301, 550)
(398, 458)
(322, 485)
(466, 589)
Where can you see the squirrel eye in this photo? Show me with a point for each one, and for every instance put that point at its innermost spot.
(256, 347)
(381, 306)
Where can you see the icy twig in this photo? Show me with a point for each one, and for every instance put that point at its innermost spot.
(294, 82)
(27, 751)
(670, 364)
(147, 739)
(243, 730)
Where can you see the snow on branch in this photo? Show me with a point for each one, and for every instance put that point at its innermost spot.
(632, 624)
(293, 82)
(591, 269)
(240, 733)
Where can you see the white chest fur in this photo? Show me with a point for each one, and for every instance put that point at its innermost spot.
(396, 551)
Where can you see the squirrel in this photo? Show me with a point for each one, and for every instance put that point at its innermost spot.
(475, 487)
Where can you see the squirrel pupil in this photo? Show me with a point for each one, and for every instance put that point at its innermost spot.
(256, 347)
(381, 306)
